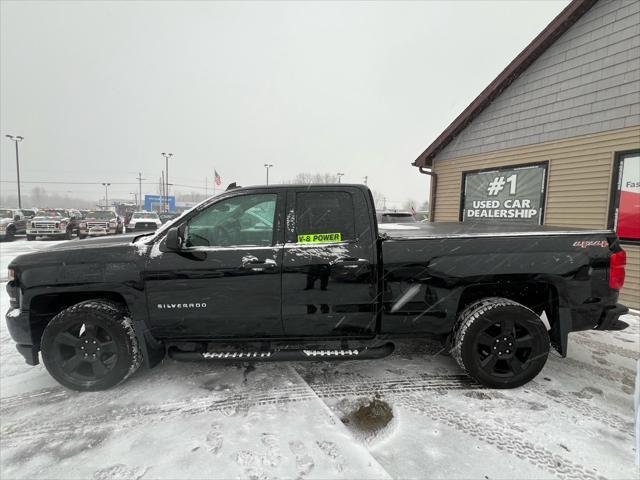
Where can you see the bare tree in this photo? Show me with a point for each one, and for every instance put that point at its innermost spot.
(308, 178)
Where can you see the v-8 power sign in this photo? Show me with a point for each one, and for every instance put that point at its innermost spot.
(505, 195)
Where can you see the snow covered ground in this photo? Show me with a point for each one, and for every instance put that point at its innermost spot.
(411, 415)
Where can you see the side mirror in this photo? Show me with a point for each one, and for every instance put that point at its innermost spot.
(17, 218)
(173, 241)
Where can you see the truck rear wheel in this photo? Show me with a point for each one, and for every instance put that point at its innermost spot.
(90, 346)
(500, 343)
(31, 238)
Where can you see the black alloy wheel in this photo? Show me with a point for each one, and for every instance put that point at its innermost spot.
(85, 351)
(501, 343)
(91, 346)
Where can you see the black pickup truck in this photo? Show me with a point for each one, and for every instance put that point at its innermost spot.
(299, 272)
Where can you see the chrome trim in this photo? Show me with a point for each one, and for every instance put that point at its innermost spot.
(512, 234)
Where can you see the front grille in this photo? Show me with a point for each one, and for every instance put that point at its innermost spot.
(97, 225)
(145, 226)
(45, 226)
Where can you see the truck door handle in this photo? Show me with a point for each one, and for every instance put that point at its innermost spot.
(252, 263)
(351, 262)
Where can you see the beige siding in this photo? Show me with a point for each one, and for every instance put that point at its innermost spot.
(630, 293)
(579, 184)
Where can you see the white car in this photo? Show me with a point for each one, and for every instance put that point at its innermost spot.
(144, 221)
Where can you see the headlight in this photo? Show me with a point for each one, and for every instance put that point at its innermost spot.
(83, 225)
(112, 223)
(63, 224)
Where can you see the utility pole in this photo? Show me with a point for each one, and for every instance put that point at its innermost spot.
(17, 139)
(106, 194)
(140, 190)
(340, 175)
(167, 156)
(268, 166)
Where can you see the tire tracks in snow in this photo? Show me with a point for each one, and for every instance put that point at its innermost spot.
(119, 418)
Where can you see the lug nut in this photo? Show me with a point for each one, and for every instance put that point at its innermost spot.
(508, 351)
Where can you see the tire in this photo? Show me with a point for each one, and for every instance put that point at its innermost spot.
(91, 346)
(82, 237)
(500, 343)
(68, 234)
(10, 235)
(31, 238)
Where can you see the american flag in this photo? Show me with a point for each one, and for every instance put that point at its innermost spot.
(216, 178)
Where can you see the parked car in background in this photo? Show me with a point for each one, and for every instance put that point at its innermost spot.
(395, 217)
(29, 213)
(12, 222)
(144, 221)
(59, 223)
(99, 222)
(168, 216)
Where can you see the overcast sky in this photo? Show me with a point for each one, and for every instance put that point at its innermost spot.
(100, 89)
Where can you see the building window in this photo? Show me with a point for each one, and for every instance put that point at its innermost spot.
(512, 194)
(625, 198)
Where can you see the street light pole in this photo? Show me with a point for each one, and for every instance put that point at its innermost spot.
(139, 207)
(17, 139)
(106, 194)
(268, 166)
(339, 177)
(167, 156)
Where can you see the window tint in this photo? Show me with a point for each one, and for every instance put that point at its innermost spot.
(243, 220)
(324, 217)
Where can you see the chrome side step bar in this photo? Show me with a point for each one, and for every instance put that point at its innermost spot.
(286, 355)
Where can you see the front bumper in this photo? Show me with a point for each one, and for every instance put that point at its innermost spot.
(142, 227)
(97, 232)
(46, 231)
(610, 319)
(20, 330)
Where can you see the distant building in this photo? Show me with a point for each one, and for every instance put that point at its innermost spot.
(555, 138)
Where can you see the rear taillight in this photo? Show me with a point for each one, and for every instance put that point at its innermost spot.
(617, 261)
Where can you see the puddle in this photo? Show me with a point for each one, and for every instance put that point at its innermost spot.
(369, 418)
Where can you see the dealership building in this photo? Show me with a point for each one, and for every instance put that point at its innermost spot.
(555, 138)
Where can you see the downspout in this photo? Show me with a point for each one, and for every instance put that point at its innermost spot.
(432, 196)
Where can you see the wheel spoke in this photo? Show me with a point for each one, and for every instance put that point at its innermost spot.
(90, 330)
(506, 326)
(489, 362)
(515, 365)
(71, 364)
(66, 338)
(99, 369)
(108, 347)
(485, 339)
(524, 342)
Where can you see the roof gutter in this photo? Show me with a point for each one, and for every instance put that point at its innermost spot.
(432, 191)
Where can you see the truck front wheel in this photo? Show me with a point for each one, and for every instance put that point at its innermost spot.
(90, 346)
(500, 343)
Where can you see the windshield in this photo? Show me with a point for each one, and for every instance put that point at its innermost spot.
(152, 215)
(48, 213)
(6, 214)
(100, 215)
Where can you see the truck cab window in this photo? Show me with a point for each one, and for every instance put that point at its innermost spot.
(237, 221)
(324, 217)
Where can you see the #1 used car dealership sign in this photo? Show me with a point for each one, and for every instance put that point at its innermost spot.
(505, 195)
